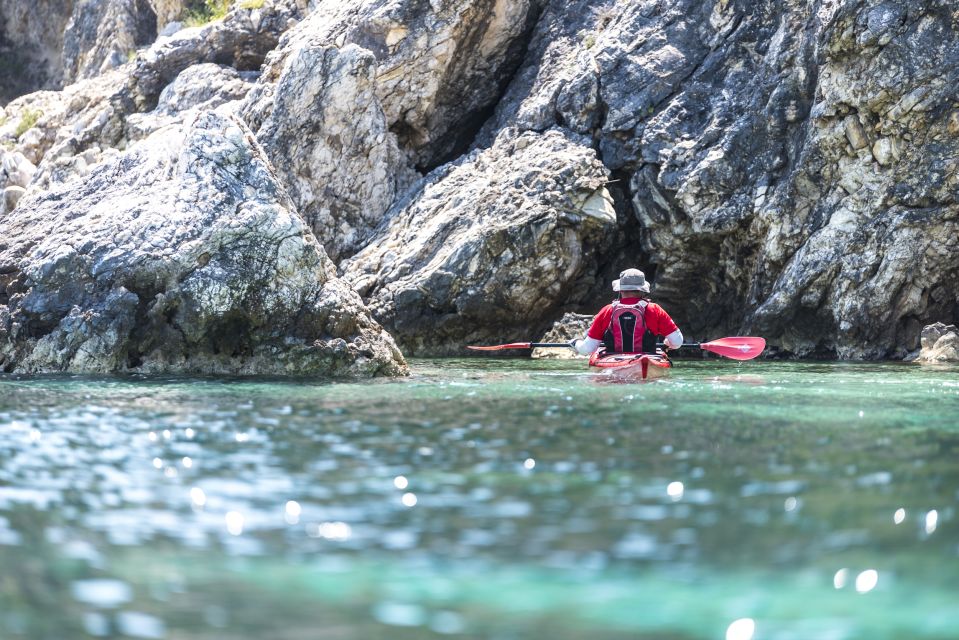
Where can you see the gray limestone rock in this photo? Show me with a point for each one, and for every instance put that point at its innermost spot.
(16, 169)
(199, 87)
(96, 112)
(490, 246)
(11, 196)
(167, 12)
(378, 88)
(785, 168)
(439, 65)
(940, 343)
(330, 142)
(31, 45)
(572, 326)
(790, 165)
(104, 34)
(203, 86)
(183, 254)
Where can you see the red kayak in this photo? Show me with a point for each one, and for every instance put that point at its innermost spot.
(631, 366)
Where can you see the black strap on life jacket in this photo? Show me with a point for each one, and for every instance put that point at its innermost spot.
(627, 324)
(648, 346)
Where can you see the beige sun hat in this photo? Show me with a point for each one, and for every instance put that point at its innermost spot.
(631, 280)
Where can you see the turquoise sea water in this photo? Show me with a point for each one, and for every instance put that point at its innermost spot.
(485, 499)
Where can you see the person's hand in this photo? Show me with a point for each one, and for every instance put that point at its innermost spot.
(576, 343)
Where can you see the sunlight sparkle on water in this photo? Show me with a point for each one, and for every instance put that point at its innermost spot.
(234, 522)
(839, 580)
(197, 496)
(400, 482)
(932, 521)
(867, 580)
(742, 629)
(292, 512)
(529, 463)
(899, 516)
(189, 433)
(675, 490)
(187, 462)
(337, 531)
(790, 504)
(35, 435)
(157, 463)
(409, 499)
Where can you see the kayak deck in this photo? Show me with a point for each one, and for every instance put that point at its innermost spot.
(631, 366)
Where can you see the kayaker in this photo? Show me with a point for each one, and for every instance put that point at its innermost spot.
(630, 324)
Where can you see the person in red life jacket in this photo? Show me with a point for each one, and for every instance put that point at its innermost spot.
(630, 324)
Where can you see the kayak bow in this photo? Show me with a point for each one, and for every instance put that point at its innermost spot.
(631, 366)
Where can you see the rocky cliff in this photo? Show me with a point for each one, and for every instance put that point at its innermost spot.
(476, 168)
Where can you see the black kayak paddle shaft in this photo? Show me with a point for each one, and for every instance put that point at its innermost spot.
(557, 345)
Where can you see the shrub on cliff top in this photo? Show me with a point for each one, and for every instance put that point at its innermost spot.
(201, 12)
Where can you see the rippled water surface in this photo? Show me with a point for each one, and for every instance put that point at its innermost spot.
(485, 499)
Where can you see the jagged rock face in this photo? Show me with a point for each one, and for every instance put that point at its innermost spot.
(940, 343)
(46, 44)
(329, 140)
(103, 34)
(76, 127)
(202, 86)
(167, 11)
(572, 326)
(440, 64)
(791, 164)
(486, 247)
(378, 88)
(31, 45)
(781, 167)
(183, 254)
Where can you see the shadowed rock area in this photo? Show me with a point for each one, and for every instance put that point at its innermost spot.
(791, 164)
(489, 245)
(182, 255)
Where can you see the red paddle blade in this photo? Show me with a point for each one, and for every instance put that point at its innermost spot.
(499, 347)
(737, 348)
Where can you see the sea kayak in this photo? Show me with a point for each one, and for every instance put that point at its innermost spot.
(631, 366)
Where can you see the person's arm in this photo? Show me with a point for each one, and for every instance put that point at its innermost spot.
(594, 336)
(587, 345)
(674, 340)
(661, 324)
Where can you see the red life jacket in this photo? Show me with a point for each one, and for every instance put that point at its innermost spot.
(627, 328)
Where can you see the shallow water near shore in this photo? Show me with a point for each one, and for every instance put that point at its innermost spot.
(485, 498)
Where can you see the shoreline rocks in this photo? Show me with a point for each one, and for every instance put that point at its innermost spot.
(940, 343)
(572, 326)
(183, 254)
(479, 167)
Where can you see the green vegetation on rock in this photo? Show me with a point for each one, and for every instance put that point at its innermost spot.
(201, 12)
(252, 4)
(28, 118)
